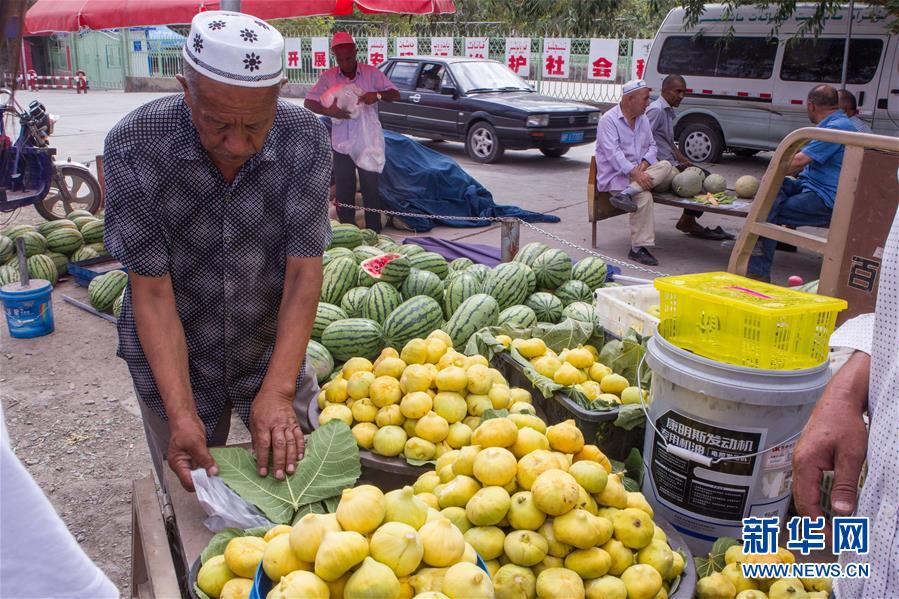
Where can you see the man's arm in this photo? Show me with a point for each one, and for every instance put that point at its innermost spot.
(799, 162)
(651, 154)
(608, 149)
(332, 111)
(390, 95)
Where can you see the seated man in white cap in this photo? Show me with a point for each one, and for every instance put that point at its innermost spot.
(627, 168)
(217, 203)
(377, 87)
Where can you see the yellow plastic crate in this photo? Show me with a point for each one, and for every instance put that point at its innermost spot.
(736, 320)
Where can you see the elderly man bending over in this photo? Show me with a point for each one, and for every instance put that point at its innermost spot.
(626, 166)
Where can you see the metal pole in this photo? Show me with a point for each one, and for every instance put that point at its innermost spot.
(509, 236)
(232, 5)
(846, 47)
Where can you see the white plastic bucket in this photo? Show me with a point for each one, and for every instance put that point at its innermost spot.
(719, 440)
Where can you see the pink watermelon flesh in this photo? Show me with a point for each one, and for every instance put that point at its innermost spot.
(374, 266)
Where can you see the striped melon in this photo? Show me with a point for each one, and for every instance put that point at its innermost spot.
(381, 300)
(8, 274)
(364, 252)
(592, 271)
(574, 291)
(84, 253)
(117, 304)
(369, 237)
(325, 314)
(320, 359)
(519, 316)
(345, 236)
(64, 240)
(460, 264)
(546, 306)
(364, 279)
(507, 283)
(353, 301)
(92, 232)
(528, 254)
(13, 231)
(422, 282)
(104, 289)
(458, 290)
(552, 268)
(76, 213)
(7, 248)
(34, 243)
(475, 313)
(582, 311)
(98, 247)
(415, 318)
(353, 337)
(529, 275)
(340, 253)
(390, 268)
(83, 220)
(61, 262)
(339, 277)
(430, 261)
(52, 225)
(479, 272)
(410, 249)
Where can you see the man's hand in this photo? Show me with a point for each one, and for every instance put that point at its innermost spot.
(369, 98)
(337, 112)
(639, 176)
(275, 432)
(187, 449)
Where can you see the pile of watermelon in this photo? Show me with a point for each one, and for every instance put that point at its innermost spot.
(50, 246)
(376, 294)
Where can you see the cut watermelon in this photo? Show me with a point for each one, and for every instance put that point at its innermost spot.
(387, 268)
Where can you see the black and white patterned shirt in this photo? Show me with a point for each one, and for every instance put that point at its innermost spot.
(170, 211)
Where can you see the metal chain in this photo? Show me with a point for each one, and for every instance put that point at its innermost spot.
(603, 257)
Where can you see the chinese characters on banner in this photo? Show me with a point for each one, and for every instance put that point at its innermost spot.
(407, 46)
(639, 57)
(442, 46)
(377, 50)
(556, 56)
(320, 56)
(603, 62)
(477, 47)
(518, 55)
(293, 51)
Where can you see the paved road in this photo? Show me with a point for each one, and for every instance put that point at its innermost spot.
(526, 179)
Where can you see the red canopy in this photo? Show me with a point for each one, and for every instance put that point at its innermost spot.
(72, 15)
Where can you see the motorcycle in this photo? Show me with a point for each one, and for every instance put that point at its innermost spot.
(29, 173)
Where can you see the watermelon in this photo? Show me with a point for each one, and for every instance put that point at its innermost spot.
(574, 291)
(388, 268)
(528, 254)
(458, 290)
(592, 271)
(61, 262)
(520, 317)
(688, 183)
(363, 279)
(415, 318)
(369, 237)
(339, 277)
(460, 264)
(34, 243)
(52, 225)
(422, 282)
(85, 253)
(340, 253)
(552, 268)
(320, 359)
(345, 236)
(76, 213)
(581, 311)
(479, 272)
(714, 183)
(7, 248)
(117, 304)
(507, 283)
(364, 252)
(381, 300)
(325, 314)
(92, 232)
(326, 259)
(104, 289)
(430, 261)
(80, 221)
(353, 337)
(353, 301)
(384, 239)
(8, 274)
(546, 306)
(64, 240)
(410, 249)
(98, 247)
(14, 231)
(529, 274)
(474, 314)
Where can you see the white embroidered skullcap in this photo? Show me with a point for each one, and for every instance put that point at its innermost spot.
(235, 48)
(632, 86)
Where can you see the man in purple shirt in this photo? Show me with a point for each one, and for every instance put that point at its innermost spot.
(627, 167)
(377, 87)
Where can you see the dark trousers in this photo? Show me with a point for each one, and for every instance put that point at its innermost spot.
(345, 184)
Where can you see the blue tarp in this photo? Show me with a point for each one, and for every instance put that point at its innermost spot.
(419, 179)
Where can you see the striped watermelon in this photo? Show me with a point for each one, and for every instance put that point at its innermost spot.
(552, 268)
(61, 262)
(8, 274)
(546, 306)
(326, 259)
(353, 301)
(7, 248)
(507, 283)
(104, 289)
(92, 232)
(479, 272)
(410, 249)
(340, 253)
(52, 225)
(84, 253)
(528, 254)
(320, 359)
(98, 247)
(390, 268)
(117, 304)
(592, 271)
(363, 279)
(353, 337)
(388, 247)
(364, 252)
(582, 311)
(422, 282)
(339, 277)
(76, 213)
(574, 291)
(14, 231)
(415, 318)
(369, 237)
(475, 313)
(80, 221)
(519, 316)
(460, 264)
(381, 300)
(64, 240)
(345, 236)
(384, 239)
(325, 314)
(430, 261)
(34, 243)
(462, 287)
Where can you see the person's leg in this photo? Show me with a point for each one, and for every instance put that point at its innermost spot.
(371, 197)
(625, 199)
(792, 206)
(642, 229)
(345, 187)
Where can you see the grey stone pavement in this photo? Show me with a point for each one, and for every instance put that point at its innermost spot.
(523, 178)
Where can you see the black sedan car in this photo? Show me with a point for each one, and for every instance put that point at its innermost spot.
(484, 104)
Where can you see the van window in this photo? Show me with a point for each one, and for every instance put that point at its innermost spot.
(403, 74)
(821, 60)
(713, 56)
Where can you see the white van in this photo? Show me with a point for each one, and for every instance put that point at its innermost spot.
(745, 94)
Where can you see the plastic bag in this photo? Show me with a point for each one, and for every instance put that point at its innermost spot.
(365, 143)
(225, 508)
(345, 95)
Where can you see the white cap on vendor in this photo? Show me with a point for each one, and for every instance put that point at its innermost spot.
(632, 86)
(235, 48)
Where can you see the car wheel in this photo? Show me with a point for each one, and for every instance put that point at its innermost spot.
(745, 152)
(554, 152)
(701, 142)
(482, 143)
